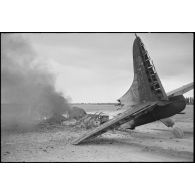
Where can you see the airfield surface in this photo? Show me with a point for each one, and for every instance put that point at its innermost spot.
(148, 143)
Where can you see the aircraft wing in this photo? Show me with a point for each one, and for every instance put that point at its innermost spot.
(181, 90)
(124, 117)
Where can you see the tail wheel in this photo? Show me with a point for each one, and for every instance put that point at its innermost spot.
(177, 132)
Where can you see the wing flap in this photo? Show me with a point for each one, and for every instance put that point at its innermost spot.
(119, 120)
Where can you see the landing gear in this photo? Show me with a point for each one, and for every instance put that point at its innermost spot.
(177, 132)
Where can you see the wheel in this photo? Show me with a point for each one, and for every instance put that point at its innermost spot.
(177, 132)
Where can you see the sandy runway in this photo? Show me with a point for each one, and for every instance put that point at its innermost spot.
(149, 143)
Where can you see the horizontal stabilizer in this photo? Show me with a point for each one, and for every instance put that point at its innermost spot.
(181, 90)
(119, 120)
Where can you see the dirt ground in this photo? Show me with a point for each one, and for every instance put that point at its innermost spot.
(148, 143)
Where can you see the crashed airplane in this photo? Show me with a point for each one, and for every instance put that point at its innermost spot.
(146, 101)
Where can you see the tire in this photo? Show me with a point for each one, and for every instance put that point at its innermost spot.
(177, 132)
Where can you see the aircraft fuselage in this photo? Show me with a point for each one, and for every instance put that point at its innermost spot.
(174, 106)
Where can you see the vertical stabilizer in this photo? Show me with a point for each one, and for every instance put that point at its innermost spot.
(146, 85)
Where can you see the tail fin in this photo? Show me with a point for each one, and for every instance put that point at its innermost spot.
(146, 85)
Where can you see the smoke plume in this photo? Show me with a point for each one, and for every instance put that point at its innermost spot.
(27, 87)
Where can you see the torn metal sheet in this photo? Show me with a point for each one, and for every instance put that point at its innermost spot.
(121, 119)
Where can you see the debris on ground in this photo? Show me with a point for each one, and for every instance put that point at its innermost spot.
(51, 122)
(70, 122)
(76, 113)
(93, 120)
(55, 119)
(76, 117)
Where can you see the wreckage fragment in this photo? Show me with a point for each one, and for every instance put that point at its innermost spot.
(126, 116)
(76, 113)
(76, 117)
(93, 120)
(55, 119)
(70, 117)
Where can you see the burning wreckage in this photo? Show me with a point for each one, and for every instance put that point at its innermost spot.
(76, 117)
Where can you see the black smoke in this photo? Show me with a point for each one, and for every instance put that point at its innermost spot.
(27, 86)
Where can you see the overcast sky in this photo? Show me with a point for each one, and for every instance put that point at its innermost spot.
(98, 67)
